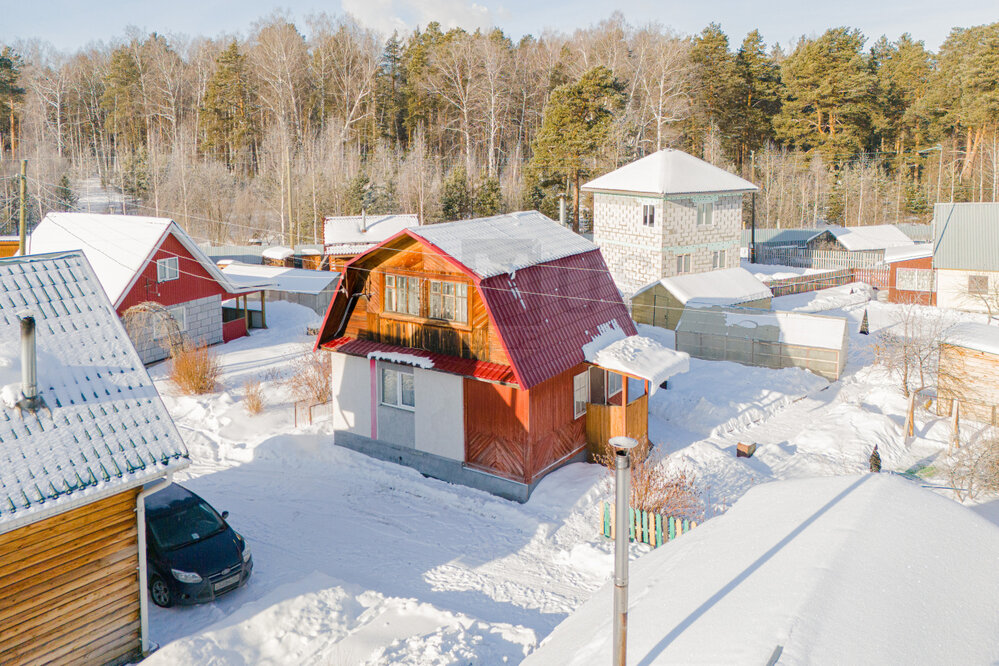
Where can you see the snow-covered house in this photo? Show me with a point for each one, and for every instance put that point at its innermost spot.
(312, 288)
(346, 236)
(487, 352)
(143, 259)
(818, 343)
(278, 255)
(969, 372)
(667, 214)
(966, 255)
(811, 571)
(911, 278)
(662, 302)
(869, 238)
(75, 453)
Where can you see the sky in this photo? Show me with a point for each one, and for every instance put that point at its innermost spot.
(69, 25)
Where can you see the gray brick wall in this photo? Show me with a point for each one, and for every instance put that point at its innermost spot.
(202, 323)
(637, 255)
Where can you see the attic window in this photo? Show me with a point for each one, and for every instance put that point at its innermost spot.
(167, 269)
(648, 215)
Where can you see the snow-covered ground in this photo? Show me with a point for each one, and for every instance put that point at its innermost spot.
(363, 561)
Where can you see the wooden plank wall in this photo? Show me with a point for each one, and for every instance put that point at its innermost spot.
(69, 590)
(605, 421)
(497, 418)
(555, 432)
(972, 378)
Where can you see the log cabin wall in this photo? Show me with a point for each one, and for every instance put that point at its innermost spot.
(555, 432)
(69, 591)
(497, 419)
(474, 339)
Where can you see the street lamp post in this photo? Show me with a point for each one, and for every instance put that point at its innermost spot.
(622, 478)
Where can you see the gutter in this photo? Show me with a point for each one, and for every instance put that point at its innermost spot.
(140, 512)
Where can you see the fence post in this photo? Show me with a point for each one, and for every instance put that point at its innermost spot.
(631, 523)
(606, 518)
(659, 530)
(672, 528)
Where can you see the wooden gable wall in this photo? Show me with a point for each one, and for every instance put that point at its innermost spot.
(406, 257)
(193, 281)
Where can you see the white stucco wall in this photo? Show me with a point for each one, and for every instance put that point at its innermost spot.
(440, 416)
(351, 381)
(952, 290)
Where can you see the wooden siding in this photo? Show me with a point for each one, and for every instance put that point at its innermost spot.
(606, 421)
(9, 248)
(904, 296)
(970, 377)
(69, 590)
(193, 281)
(497, 418)
(555, 432)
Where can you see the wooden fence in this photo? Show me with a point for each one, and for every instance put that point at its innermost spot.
(804, 283)
(653, 529)
(312, 411)
(805, 257)
(876, 277)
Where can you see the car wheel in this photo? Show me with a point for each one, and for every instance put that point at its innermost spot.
(160, 592)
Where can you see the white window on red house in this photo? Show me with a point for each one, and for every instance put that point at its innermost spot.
(167, 269)
(449, 301)
(648, 215)
(397, 388)
(580, 393)
(914, 279)
(402, 295)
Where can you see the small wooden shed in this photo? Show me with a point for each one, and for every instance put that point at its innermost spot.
(661, 303)
(278, 256)
(969, 372)
(818, 343)
(910, 274)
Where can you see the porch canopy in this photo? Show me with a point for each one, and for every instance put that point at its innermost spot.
(635, 356)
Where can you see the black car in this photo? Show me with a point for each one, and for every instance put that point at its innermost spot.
(193, 555)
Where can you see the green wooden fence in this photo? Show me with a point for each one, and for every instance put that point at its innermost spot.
(654, 529)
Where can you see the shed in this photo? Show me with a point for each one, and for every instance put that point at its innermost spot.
(278, 256)
(969, 372)
(9, 245)
(818, 343)
(910, 274)
(347, 236)
(72, 565)
(662, 302)
(312, 288)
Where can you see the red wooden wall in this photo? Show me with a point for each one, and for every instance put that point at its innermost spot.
(555, 432)
(194, 281)
(899, 296)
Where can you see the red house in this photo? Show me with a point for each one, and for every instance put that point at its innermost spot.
(910, 274)
(487, 352)
(141, 259)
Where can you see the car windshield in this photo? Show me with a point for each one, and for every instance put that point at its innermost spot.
(189, 524)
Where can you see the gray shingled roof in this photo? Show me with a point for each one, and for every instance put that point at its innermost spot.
(966, 236)
(490, 246)
(105, 429)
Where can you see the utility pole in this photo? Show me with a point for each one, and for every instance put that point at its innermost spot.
(22, 242)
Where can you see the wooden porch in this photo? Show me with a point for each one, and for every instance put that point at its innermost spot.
(606, 421)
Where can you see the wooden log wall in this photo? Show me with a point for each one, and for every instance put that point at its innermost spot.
(69, 591)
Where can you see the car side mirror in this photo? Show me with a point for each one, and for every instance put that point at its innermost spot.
(225, 514)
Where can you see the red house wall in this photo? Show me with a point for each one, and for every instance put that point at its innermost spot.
(902, 296)
(555, 433)
(194, 281)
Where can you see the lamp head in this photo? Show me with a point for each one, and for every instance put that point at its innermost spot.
(623, 443)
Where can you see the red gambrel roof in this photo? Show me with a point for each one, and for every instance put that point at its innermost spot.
(547, 312)
(466, 367)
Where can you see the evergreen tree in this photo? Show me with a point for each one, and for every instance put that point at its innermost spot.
(488, 198)
(719, 92)
(10, 95)
(122, 98)
(456, 198)
(759, 95)
(577, 122)
(65, 197)
(358, 194)
(228, 118)
(390, 99)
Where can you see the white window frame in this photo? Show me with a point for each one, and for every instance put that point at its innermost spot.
(718, 259)
(406, 287)
(580, 394)
(440, 298)
(683, 264)
(619, 381)
(395, 397)
(648, 215)
(914, 279)
(705, 213)
(167, 269)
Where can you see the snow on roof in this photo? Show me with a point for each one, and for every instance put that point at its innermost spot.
(981, 337)
(500, 244)
(116, 246)
(823, 568)
(634, 355)
(105, 429)
(278, 252)
(728, 286)
(281, 278)
(793, 328)
(399, 357)
(904, 253)
(354, 233)
(873, 237)
(668, 172)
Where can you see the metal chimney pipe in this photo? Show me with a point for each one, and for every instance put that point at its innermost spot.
(561, 209)
(622, 536)
(364, 220)
(29, 361)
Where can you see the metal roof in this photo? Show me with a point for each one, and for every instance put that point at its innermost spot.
(966, 236)
(781, 236)
(363, 229)
(105, 429)
(669, 172)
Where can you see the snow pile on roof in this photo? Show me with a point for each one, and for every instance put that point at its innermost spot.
(981, 337)
(105, 429)
(906, 252)
(278, 252)
(667, 172)
(723, 287)
(405, 359)
(351, 234)
(829, 569)
(634, 355)
(490, 246)
(281, 278)
(872, 237)
(796, 328)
